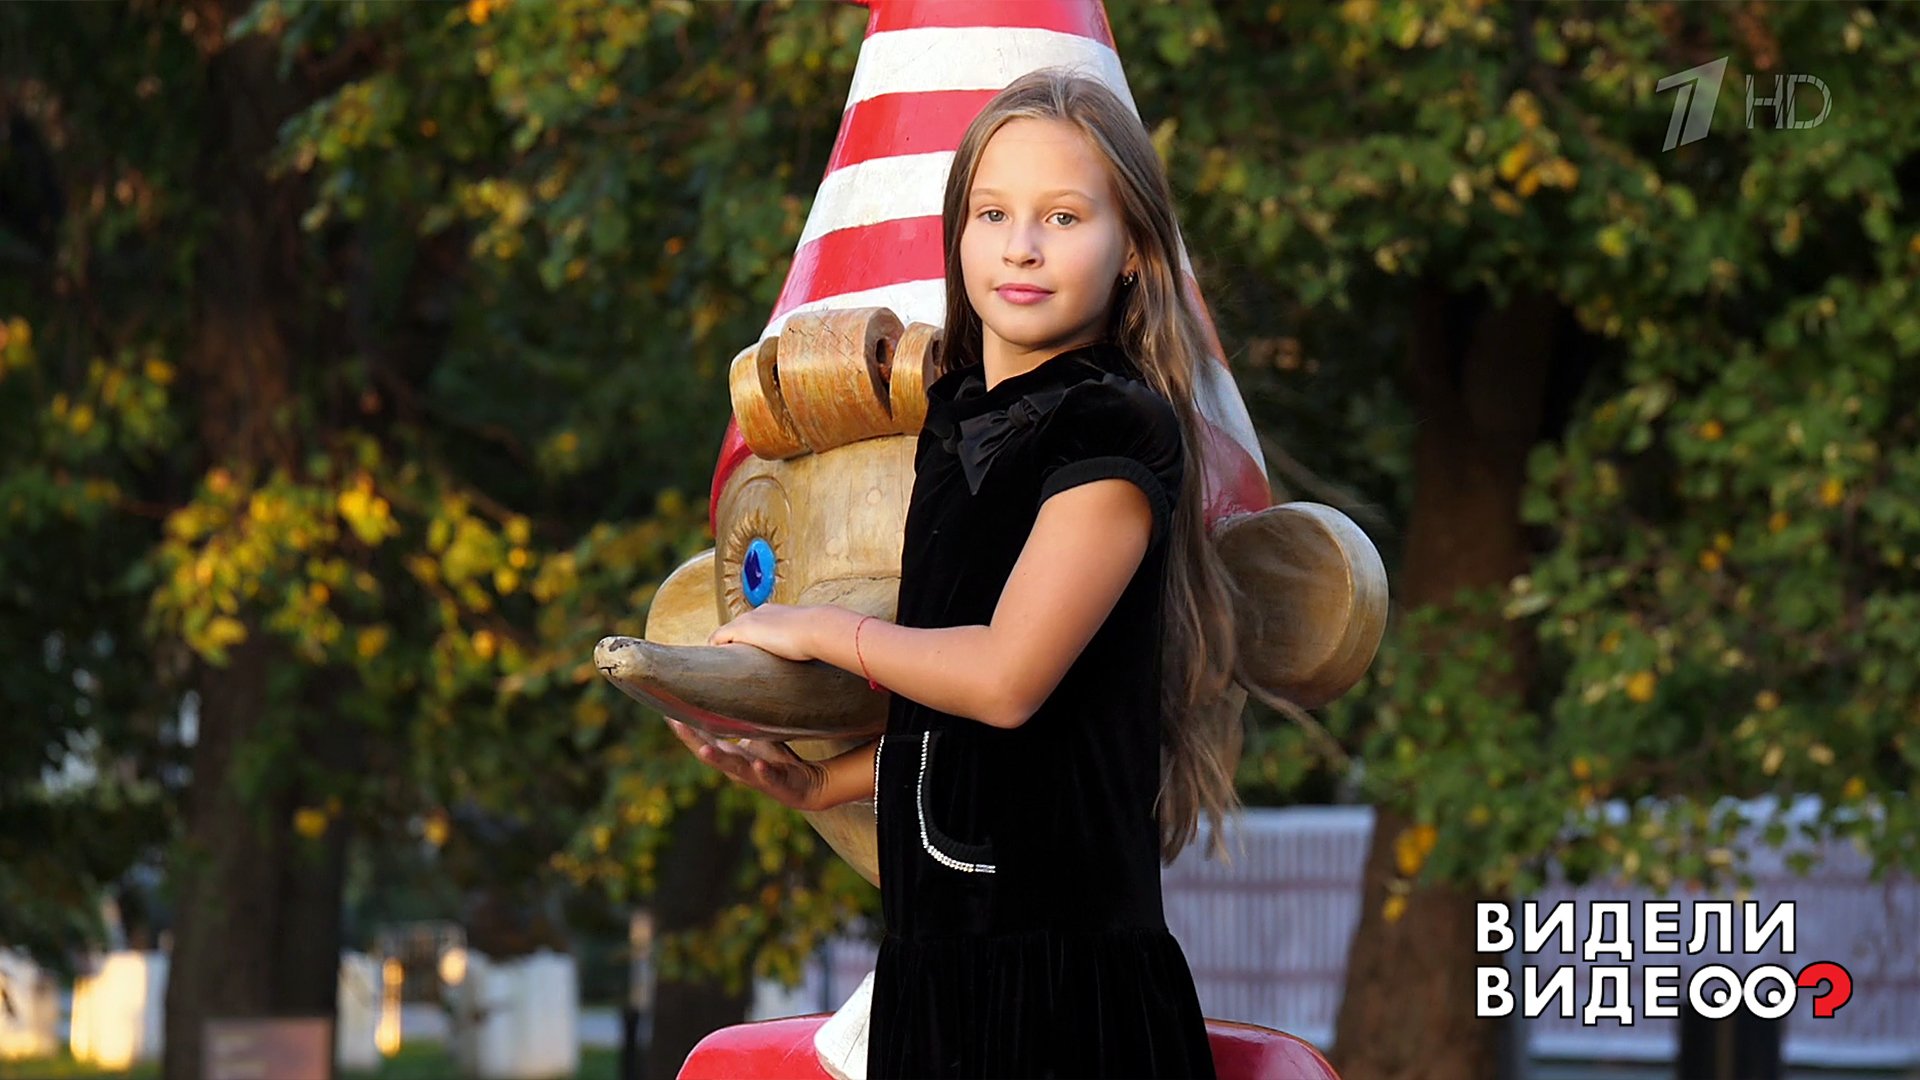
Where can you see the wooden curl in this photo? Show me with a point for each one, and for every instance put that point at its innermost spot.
(833, 374)
(910, 374)
(753, 381)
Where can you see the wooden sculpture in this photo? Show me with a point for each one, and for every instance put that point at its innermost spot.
(821, 505)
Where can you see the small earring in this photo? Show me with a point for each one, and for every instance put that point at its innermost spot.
(1130, 279)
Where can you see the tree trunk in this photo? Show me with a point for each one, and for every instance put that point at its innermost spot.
(696, 881)
(1480, 381)
(258, 923)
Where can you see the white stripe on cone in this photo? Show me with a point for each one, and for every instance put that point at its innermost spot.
(883, 189)
(913, 301)
(975, 58)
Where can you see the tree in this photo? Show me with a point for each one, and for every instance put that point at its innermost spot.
(368, 466)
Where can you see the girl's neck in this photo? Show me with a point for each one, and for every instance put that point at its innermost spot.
(1003, 361)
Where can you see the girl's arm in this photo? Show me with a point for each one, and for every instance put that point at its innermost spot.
(1086, 545)
(771, 768)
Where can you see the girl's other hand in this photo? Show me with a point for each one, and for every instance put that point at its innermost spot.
(785, 630)
(765, 766)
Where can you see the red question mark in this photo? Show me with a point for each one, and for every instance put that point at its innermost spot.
(1826, 971)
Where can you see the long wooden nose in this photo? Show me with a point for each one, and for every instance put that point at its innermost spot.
(739, 691)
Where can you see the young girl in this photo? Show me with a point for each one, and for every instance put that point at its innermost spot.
(1059, 721)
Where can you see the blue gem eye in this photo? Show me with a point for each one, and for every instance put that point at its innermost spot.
(756, 572)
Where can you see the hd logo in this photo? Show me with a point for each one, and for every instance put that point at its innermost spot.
(1699, 89)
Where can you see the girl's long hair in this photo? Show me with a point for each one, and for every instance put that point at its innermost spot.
(1155, 322)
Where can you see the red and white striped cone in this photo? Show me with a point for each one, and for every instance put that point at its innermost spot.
(873, 237)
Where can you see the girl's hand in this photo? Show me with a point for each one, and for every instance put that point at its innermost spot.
(785, 630)
(765, 766)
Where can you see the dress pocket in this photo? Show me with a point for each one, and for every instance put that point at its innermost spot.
(944, 849)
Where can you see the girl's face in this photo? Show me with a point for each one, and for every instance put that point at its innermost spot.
(1044, 246)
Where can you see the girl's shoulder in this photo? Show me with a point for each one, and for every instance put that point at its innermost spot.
(1108, 402)
(1114, 424)
(1086, 405)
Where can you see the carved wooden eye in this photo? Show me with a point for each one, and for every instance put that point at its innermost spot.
(754, 541)
(757, 568)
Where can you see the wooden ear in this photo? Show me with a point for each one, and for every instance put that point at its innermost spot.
(683, 611)
(1312, 603)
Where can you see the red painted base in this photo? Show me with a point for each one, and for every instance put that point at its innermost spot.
(783, 1050)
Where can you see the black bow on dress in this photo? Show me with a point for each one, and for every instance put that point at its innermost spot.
(979, 439)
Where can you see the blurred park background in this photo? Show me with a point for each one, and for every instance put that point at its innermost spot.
(362, 364)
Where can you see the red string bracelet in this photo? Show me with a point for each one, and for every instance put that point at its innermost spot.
(857, 627)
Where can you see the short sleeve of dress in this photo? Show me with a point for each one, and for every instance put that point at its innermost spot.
(1115, 428)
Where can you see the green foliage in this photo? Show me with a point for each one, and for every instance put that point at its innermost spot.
(1724, 594)
(580, 210)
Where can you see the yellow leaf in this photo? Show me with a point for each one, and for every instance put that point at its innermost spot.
(1854, 788)
(437, 830)
(369, 516)
(1409, 33)
(372, 641)
(1832, 492)
(224, 631)
(310, 822)
(1411, 848)
(1766, 701)
(1712, 430)
(1515, 161)
(1394, 908)
(1641, 685)
(1524, 108)
(1613, 241)
(1359, 12)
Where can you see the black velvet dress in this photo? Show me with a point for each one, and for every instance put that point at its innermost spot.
(1019, 869)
